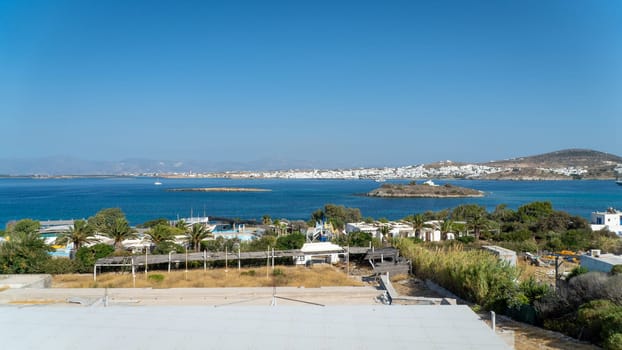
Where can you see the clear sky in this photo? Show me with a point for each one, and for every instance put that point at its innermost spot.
(345, 83)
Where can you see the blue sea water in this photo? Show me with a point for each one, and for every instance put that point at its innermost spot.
(141, 200)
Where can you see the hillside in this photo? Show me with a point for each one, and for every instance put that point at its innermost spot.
(570, 163)
(563, 158)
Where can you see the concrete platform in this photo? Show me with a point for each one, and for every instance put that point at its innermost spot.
(246, 327)
(25, 281)
(191, 296)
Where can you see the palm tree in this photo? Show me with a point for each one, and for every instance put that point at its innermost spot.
(80, 234)
(181, 224)
(119, 231)
(446, 227)
(385, 230)
(160, 234)
(477, 222)
(418, 222)
(196, 234)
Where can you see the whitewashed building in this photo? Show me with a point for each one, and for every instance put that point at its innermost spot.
(611, 219)
(396, 229)
(600, 262)
(319, 252)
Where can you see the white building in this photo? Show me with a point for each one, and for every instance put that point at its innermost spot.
(396, 229)
(610, 220)
(430, 232)
(371, 228)
(600, 262)
(319, 252)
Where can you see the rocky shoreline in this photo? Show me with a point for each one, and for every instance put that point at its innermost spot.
(414, 190)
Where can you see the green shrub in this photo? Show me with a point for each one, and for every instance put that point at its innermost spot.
(517, 236)
(278, 272)
(166, 247)
(156, 277)
(250, 273)
(616, 270)
(534, 290)
(591, 316)
(579, 270)
(416, 240)
(474, 275)
(291, 241)
(87, 256)
(612, 323)
(465, 239)
(613, 342)
(529, 245)
(566, 324)
(60, 266)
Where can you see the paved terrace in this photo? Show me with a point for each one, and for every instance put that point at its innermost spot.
(246, 327)
(190, 296)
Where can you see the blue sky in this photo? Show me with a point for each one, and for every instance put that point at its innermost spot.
(349, 83)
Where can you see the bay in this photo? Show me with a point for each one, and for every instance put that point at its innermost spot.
(141, 200)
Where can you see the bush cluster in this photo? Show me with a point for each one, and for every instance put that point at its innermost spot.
(474, 275)
(587, 306)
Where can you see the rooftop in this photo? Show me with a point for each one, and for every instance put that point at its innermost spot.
(246, 327)
(608, 258)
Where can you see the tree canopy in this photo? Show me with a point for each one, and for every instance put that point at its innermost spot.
(105, 219)
(291, 241)
(80, 234)
(24, 251)
(196, 234)
(337, 215)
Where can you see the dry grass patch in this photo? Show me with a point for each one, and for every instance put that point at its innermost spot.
(399, 278)
(290, 276)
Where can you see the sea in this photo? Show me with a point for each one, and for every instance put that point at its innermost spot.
(141, 200)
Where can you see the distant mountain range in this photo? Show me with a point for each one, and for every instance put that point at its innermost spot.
(56, 166)
(570, 163)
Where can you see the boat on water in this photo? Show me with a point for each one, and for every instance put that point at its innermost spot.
(619, 182)
(157, 182)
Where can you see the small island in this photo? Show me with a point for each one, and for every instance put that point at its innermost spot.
(219, 189)
(427, 189)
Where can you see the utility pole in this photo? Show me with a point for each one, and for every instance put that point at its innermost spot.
(348, 261)
(268, 262)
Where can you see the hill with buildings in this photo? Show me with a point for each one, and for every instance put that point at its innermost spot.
(559, 165)
(570, 163)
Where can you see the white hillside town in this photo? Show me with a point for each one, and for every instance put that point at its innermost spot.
(446, 169)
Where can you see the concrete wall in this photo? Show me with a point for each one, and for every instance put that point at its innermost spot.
(26, 281)
(502, 253)
(595, 264)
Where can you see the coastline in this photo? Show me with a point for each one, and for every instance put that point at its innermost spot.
(242, 177)
(292, 199)
(426, 190)
(219, 189)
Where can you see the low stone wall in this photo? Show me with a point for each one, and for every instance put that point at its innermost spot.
(26, 281)
(443, 292)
